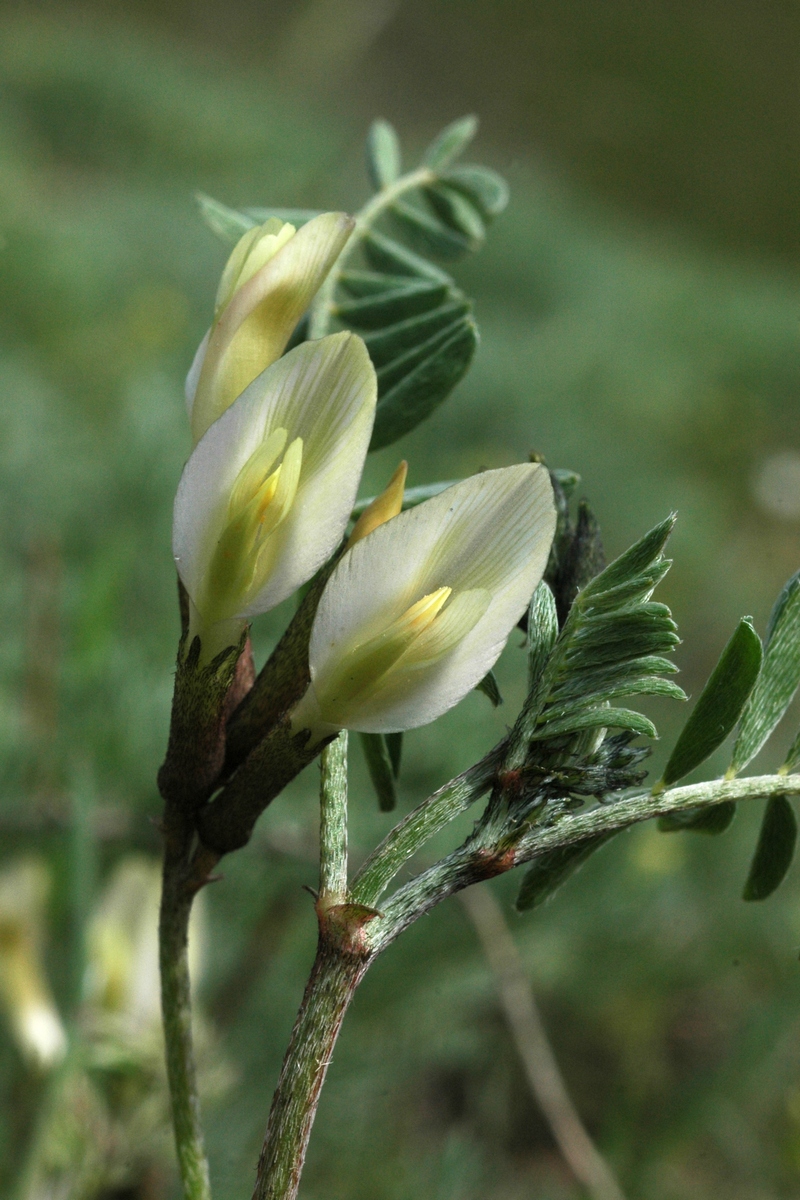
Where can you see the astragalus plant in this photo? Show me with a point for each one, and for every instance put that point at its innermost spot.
(333, 336)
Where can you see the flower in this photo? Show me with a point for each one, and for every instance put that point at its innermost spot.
(266, 286)
(418, 611)
(267, 492)
(24, 989)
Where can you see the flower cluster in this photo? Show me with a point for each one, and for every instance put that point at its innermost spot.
(421, 601)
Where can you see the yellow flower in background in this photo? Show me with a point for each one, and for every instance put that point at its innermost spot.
(268, 283)
(24, 988)
(419, 610)
(122, 945)
(267, 493)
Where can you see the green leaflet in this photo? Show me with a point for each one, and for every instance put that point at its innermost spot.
(779, 678)
(391, 257)
(390, 343)
(383, 154)
(629, 565)
(712, 820)
(295, 216)
(774, 850)
(595, 718)
(427, 233)
(554, 868)
(542, 631)
(458, 213)
(421, 381)
(487, 190)
(720, 703)
(226, 223)
(381, 770)
(450, 143)
(488, 685)
(368, 283)
(392, 305)
(229, 223)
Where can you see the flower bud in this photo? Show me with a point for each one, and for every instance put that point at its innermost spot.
(268, 283)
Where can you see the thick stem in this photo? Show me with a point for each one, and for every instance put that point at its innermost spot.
(337, 972)
(176, 1009)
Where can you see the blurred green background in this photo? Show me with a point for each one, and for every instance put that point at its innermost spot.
(638, 309)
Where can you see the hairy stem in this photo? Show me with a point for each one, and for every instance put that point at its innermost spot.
(475, 860)
(176, 1009)
(333, 822)
(334, 978)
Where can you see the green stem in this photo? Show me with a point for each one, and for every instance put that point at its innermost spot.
(176, 1008)
(335, 976)
(476, 859)
(402, 842)
(333, 822)
(322, 307)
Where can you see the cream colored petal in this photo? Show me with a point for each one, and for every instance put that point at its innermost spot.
(190, 388)
(254, 328)
(323, 393)
(490, 532)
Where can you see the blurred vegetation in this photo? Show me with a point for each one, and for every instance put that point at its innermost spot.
(638, 311)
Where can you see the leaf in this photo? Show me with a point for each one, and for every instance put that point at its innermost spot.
(415, 395)
(295, 216)
(720, 703)
(458, 213)
(427, 233)
(381, 771)
(367, 283)
(712, 820)
(227, 223)
(779, 678)
(389, 343)
(385, 254)
(394, 371)
(487, 190)
(553, 868)
(394, 744)
(596, 718)
(488, 685)
(633, 561)
(542, 631)
(383, 154)
(390, 306)
(774, 851)
(452, 141)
